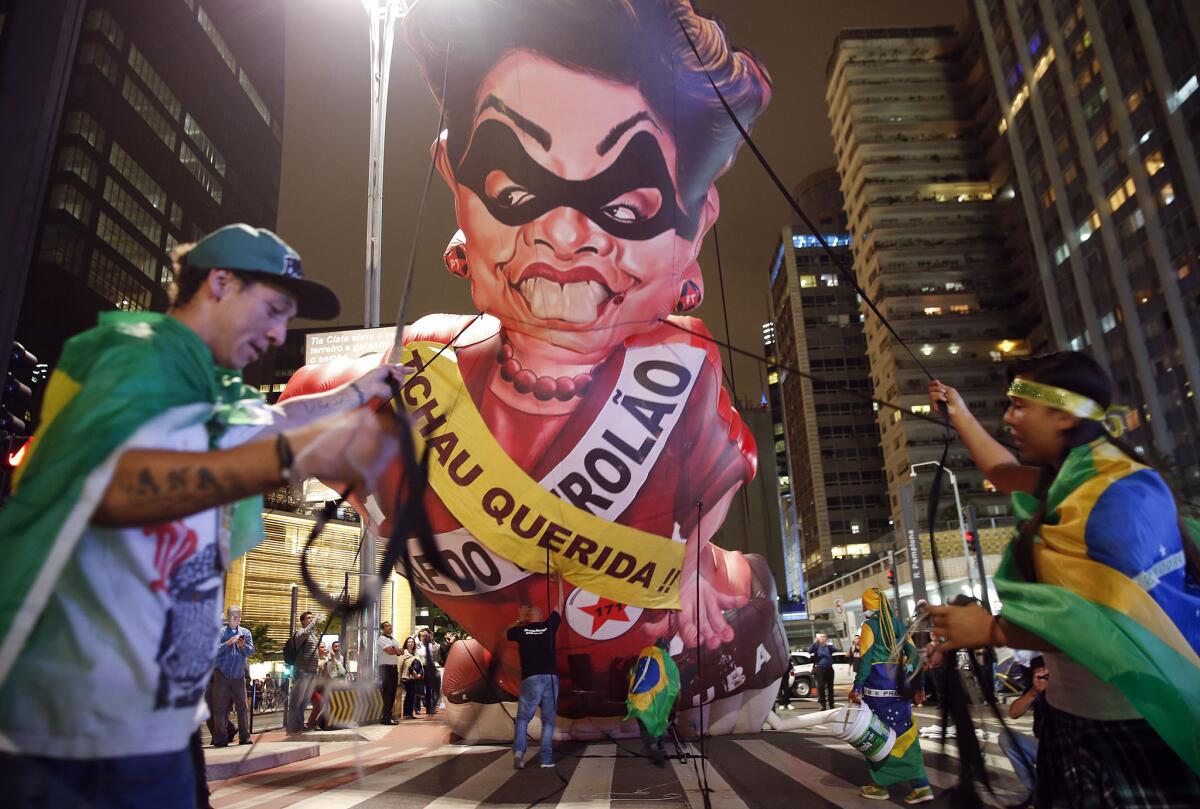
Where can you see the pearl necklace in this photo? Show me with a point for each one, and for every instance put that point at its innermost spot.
(543, 388)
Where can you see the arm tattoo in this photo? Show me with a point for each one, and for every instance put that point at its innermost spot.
(190, 488)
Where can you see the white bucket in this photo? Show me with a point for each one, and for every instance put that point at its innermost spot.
(865, 732)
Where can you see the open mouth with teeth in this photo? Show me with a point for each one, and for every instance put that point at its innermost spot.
(578, 295)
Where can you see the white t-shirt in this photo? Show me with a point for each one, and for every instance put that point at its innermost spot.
(1075, 690)
(382, 658)
(119, 660)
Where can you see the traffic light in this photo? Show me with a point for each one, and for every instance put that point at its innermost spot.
(16, 400)
(891, 574)
(972, 539)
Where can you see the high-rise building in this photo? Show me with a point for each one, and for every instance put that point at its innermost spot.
(1099, 109)
(926, 214)
(171, 127)
(834, 505)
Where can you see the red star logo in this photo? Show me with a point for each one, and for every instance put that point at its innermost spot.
(604, 611)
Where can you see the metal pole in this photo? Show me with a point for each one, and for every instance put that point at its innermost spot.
(295, 606)
(891, 557)
(973, 527)
(962, 528)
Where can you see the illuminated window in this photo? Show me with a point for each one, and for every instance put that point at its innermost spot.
(132, 210)
(82, 124)
(150, 114)
(116, 285)
(954, 348)
(1100, 139)
(933, 311)
(217, 40)
(1094, 218)
(927, 349)
(829, 280)
(154, 81)
(1116, 199)
(75, 160)
(1061, 254)
(808, 281)
(128, 168)
(93, 53)
(1182, 94)
(103, 22)
(254, 97)
(1130, 188)
(773, 378)
(198, 137)
(960, 309)
(855, 528)
(128, 246)
(1154, 163)
(1167, 194)
(1085, 231)
(200, 172)
(1002, 126)
(896, 416)
(920, 408)
(70, 199)
(1108, 322)
(1134, 100)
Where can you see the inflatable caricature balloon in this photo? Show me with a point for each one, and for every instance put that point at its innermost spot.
(578, 427)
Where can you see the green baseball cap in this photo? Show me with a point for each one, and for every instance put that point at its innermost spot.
(260, 252)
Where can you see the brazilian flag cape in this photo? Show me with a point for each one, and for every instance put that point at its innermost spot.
(653, 686)
(1111, 591)
(111, 381)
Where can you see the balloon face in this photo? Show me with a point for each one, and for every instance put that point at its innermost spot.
(567, 195)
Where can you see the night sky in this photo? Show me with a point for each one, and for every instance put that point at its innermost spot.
(322, 208)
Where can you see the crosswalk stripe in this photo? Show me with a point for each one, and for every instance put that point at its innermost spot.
(362, 789)
(476, 789)
(591, 782)
(297, 768)
(813, 778)
(368, 759)
(721, 795)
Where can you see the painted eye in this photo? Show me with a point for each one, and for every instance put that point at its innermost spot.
(500, 188)
(634, 206)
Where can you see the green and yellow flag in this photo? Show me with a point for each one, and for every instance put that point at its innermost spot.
(653, 686)
(112, 382)
(1112, 591)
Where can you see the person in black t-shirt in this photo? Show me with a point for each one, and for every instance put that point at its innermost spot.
(539, 680)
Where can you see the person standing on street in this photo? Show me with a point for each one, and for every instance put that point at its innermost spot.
(387, 654)
(335, 665)
(821, 653)
(234, 645)
(427, 652)
(539, 680)
(304, 677)
(410, 676)
(143, 481)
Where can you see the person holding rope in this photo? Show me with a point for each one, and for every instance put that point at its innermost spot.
(141, 484)
(534, 636)
(888, 660)
(1104, 578)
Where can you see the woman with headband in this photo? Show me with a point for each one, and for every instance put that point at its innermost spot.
(1104, 578)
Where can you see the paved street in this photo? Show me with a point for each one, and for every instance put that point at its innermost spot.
(413, 766)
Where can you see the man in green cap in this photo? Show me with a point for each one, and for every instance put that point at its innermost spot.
(143, 481)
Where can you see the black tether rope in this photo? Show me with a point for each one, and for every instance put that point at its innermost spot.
(971, 755)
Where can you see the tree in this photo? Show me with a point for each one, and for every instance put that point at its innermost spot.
(264, 644)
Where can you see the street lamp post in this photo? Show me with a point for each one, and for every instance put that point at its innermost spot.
(962, 527)
(382, 16)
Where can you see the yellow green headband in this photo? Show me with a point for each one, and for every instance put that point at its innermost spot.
(1076, 404)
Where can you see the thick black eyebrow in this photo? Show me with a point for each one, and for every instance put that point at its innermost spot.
(620, 129)
(527, 126)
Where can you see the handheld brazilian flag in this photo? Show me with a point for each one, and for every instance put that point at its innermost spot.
(1112, 591)
(130, 373)
(653, 686)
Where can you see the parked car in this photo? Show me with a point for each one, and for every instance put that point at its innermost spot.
(803, 683)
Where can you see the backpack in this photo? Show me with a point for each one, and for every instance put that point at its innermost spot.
(415, 672)
(291, 649)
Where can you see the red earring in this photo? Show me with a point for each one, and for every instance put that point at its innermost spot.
(456, 260)
(690, 297)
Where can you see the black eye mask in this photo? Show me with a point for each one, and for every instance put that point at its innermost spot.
(641, 165)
